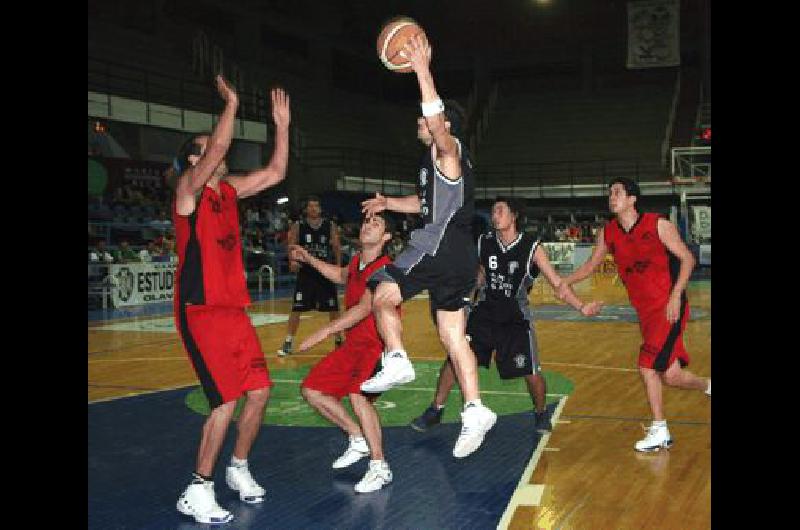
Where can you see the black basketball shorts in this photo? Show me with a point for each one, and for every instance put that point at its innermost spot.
(449, 276)
(314, 292)
(514, 344)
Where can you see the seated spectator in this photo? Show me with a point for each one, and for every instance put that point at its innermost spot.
(148, 253)
(125, 254)
(162, 222)
(168, 247)
(100, 254)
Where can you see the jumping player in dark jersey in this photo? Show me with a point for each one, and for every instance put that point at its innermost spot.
(440, 256)
(211, 296)
(343, 370)
(313, 291)
(655, 265)
(502, 321)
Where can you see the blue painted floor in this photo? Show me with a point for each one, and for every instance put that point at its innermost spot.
(142, 450)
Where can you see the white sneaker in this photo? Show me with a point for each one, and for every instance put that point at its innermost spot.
(657, 437)
(198, 501)
(476, 421)
(708, 390)
(356, 450)
(378, 475)
(239, 479)
(397, 370)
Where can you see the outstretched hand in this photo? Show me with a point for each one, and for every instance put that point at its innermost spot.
(418, 52)
(281, 112)
(314, 339)
(372, 206)
(226, 91)
(298, 253)
(592, 308)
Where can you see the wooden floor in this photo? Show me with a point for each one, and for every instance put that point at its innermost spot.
(591, 475)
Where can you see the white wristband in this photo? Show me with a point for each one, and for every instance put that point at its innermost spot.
(432, 108)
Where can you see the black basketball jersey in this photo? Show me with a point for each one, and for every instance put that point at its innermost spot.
(509, 276)
(316, 240)
(443, 203)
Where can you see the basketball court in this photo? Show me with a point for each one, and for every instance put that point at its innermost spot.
(146, 412)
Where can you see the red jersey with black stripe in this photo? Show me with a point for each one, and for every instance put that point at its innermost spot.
(365, 331)
(210, 269)
(644, 264)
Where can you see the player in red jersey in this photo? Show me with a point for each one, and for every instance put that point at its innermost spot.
(211, 296)
(343, 370)
(655, 265)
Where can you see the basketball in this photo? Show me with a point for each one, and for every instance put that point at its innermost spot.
(391, 40)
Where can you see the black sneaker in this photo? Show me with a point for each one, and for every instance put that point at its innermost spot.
(431, 417)
(543, 424)
(286, 350)
(338, 341)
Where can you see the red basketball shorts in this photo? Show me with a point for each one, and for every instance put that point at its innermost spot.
(225, 351)
(343, 370)
(662, 341)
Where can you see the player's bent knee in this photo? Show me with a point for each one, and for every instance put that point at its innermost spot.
(671, 377)
(260, 395)
(225, 409)
(387, 294)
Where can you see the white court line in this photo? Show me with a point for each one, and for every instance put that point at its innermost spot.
(593, 366)
(529, 494)
(133, 394)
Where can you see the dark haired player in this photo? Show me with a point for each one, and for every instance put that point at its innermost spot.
(655, 265)
(343, 370)
(211, 296)
(313, 291)
(440, 256)
(502, 320)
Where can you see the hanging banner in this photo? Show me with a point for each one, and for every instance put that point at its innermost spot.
(653, 34)
(141, 283)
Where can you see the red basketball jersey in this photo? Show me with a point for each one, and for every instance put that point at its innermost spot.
(364, 331)
(210, 269)
(647, 268)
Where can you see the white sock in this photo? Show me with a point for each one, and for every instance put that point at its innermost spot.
(235, 462)
(289, 338)
(438, 407)
(660, 423)
(391, 354)
(476, 402)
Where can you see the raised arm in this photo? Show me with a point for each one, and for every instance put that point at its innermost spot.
(418, 51)
(669, 235)
(350, 318)
(334, 273)
(541, 260)
(195, 177)
(275, 171)
(407, 204)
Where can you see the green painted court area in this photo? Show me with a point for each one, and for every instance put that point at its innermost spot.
(399, 405)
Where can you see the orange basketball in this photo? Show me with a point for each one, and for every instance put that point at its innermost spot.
(391, 40)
